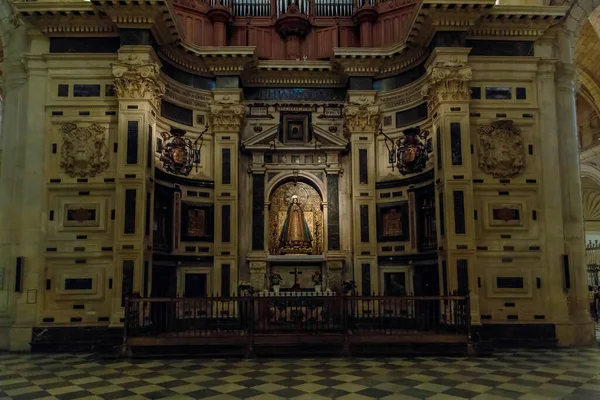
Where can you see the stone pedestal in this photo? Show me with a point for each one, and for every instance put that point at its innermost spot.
(334, 275)
(258, 275)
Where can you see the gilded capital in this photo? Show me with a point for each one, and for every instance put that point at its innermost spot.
(447, 81)
(361, 114)
(227, 113)
(136, 79)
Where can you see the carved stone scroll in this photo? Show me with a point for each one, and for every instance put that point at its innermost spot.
(361, 115)
(136, 79)
(84, 151)
(447, 81)
(227, 114)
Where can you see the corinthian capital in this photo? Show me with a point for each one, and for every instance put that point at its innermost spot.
(227, 113)
(361, 114)
(447, 81)
(136, 79)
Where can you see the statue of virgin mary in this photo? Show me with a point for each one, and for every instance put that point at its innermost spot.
(295, 237)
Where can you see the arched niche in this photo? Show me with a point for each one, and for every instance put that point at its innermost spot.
(310, 199)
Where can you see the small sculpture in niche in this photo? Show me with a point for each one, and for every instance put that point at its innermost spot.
(501, 151)
(84, 151)
(412, 151)
(295, 237)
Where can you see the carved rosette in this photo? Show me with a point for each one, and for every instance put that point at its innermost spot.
(84, 151)
(227, 115)
(501, 150)
(361, 116)
(135, 79)
(447, 81)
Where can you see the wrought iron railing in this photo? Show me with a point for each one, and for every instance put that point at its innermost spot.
(156, 321)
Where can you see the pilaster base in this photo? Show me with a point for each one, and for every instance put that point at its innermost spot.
(581, 333)
(15, 339)
(258, 275)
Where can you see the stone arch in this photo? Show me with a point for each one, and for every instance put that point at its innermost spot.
(303, 176)
(578, 13)
(590, 171)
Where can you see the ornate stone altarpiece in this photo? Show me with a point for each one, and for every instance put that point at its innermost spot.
(310, 201)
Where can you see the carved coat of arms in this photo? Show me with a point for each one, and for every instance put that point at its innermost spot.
(412, 151)
(84, 151)
(501, 151)
(177, 155)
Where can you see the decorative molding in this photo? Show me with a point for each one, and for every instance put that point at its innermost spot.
(135, 79)
(84, 151)
(501, 151)
(185, 95)
(227, 114)
(447, 80)
(403, 97)
(361, 115)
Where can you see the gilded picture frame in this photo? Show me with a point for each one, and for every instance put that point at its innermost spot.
(392, 222)
(197, 222)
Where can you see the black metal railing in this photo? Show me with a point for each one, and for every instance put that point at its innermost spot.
(157, 321)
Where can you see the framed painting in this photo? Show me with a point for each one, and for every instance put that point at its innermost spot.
(392, 222)
(196, 222)
(295, 128)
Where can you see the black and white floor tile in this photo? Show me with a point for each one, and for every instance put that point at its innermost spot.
(525, 374)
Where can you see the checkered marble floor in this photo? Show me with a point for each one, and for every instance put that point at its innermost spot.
(525, 374)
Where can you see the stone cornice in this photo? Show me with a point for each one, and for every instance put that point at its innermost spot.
(222, 60)
(185, 95)
(402, 98)
(295, 73)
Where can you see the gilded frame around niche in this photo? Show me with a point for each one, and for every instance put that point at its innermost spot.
(197, 222)
(392, 222)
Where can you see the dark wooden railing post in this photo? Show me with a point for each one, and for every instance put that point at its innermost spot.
(345, 312)
(124, 346)
(470, 347)
(250, 319)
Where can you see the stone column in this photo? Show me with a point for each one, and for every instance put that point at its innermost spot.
(220, 16)
(138, 91)
(22, 188)
(365, 17)
(448, 95)
(551, 190)
(570, 178)
(227, 115)
(362, 120)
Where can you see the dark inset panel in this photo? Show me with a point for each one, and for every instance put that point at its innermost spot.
(410, 116)
(442, 217)
(146, 279)
(136, 37)
(127, 282)
(176, 113)
(225, 280)
(300, 94)
(438, 147)
(226, 224)
(258, 209)
(462, 277)
(81, 214)
(399, 80)
(363, 170)
(360, 83)
(133, 128)
(510, 282)
(364, 223)
(500, 48)
(455, 143)
(448, 39)
(147, 214)
(86, 90)
(366, 279)
(79, 283)
(188, 79)
(459, 212)
(109, 91)
(149, 152)
(333, 213)
(476, 93)
(63, 90)
(226, 166)
(84, 44)
(130, 208)
(498, 93)
(521, 93)
(506, 214)
(445, 277)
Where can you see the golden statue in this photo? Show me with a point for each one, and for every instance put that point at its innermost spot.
(295, 237)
